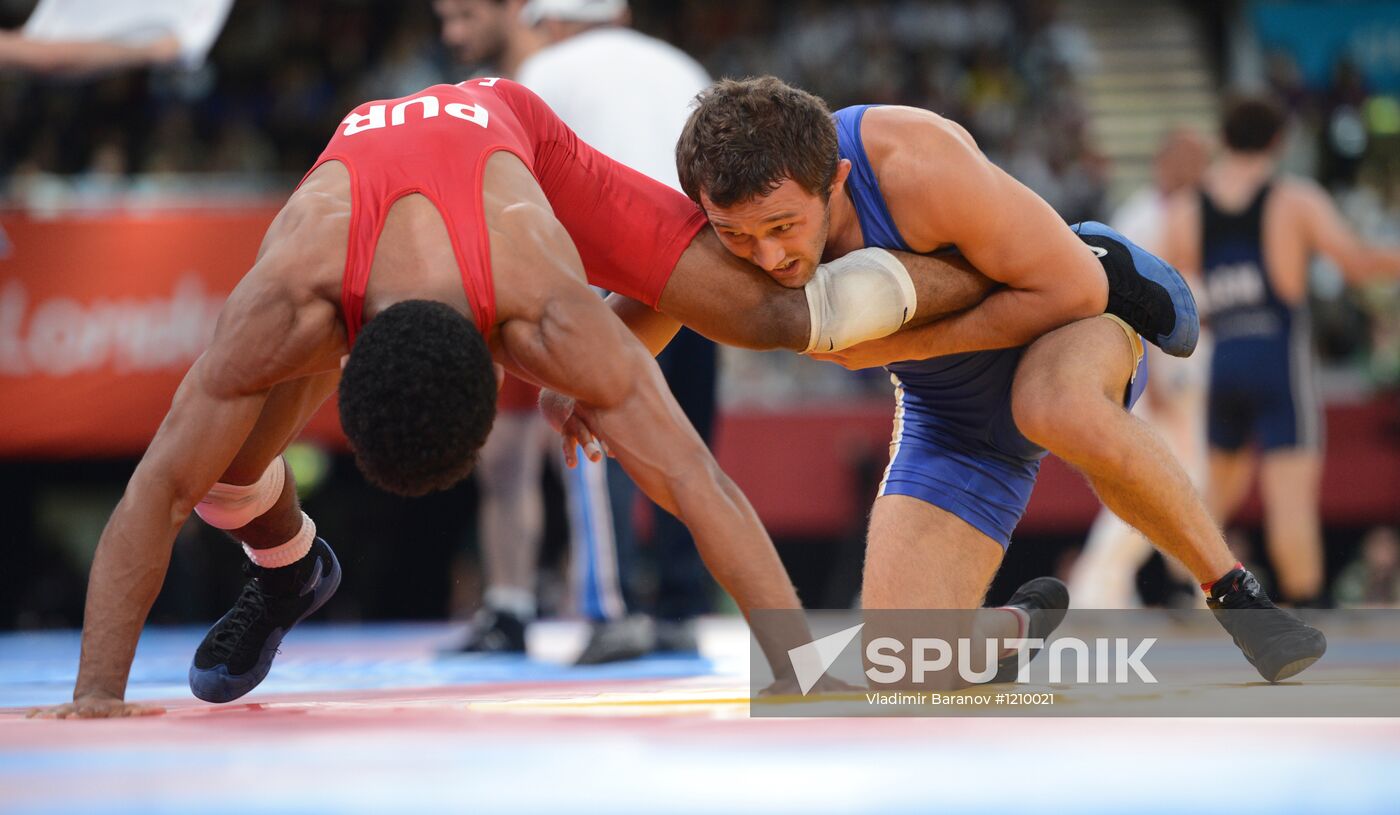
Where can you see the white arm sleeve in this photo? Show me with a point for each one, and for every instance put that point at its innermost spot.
(865, 295)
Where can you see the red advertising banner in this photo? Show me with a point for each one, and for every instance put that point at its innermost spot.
(102, 314)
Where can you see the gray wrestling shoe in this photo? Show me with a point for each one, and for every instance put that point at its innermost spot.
(1275, 642)
(495, 632)
(677, 637)
(1045, 601)
(632, 637)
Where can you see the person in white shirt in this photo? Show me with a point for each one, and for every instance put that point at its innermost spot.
(628, 95)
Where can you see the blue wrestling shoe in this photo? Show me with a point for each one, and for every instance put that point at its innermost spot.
(1144, 291)
(238, 651)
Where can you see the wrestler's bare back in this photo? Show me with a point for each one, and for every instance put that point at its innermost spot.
(303, 252)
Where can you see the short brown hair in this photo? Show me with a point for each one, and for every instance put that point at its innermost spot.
(745, 136)
(1252, 122)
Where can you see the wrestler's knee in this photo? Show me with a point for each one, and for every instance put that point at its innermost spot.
(1043, 395)
(267, 507)
(1068, 377)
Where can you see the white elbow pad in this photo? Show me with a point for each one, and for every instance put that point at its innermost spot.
(865, 295)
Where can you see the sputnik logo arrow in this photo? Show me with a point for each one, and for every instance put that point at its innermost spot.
(812, 660)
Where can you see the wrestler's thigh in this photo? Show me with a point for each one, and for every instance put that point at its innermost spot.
(921, 556)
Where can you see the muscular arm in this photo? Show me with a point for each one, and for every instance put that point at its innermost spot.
(652, 329)
(734, 303)
(259, 341)
(942, 191)
(198, 438)
(568, 340)
(1330, 235)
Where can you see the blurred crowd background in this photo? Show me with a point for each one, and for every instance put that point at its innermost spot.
(1033, 80)
(283, 73)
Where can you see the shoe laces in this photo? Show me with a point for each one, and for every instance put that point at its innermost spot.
(1246, 596)
(1130, 299)
(1248, 600)
(251, 606)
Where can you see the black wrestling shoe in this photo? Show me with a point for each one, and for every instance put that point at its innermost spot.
(495, 632)
(681, 637)
(238, 651)
(1045, 601)
(1275, 642)
(1144, 291)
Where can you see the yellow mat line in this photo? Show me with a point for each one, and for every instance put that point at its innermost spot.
(615, 702)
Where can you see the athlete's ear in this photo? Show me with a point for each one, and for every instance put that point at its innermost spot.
(838, 182)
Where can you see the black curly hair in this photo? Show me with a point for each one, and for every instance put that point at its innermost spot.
(417, 397)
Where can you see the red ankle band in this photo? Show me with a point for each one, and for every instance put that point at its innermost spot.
(1208, 586)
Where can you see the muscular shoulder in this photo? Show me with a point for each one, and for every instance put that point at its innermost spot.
(273, 328)
(925, 164)
(894, 128)
(282, 320)
(533, 259)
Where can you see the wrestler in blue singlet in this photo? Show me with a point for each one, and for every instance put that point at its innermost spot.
(1261, 379)
(955, 445)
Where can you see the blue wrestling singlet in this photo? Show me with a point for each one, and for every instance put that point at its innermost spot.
(955, 443)
(1261, 379)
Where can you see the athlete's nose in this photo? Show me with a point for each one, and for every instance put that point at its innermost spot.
(768, 254)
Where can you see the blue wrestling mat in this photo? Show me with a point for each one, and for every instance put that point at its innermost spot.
(371, 720)
(39, 668)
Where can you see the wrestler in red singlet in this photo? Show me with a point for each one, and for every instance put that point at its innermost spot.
(629, 229)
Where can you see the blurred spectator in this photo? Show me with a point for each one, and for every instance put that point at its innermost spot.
(1373, 579)
(589, 54)
(1344, 135)
(1174, 402)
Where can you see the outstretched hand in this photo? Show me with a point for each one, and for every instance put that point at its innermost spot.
(787, 685)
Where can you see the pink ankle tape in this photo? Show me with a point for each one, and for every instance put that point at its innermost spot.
(287, 553)
(230, 506)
